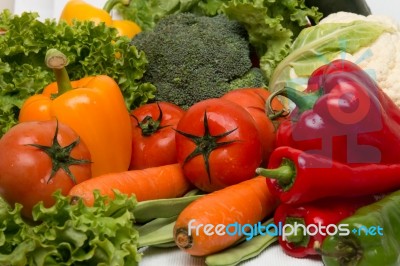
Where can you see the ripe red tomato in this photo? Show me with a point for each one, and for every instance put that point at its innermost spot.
(217, 144)
(254, 100)
(34, 164)
(153, 141)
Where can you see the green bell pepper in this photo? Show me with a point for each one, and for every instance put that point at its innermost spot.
(373, 236)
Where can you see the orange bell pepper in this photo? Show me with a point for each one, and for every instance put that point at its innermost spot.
(80, 10)
(93, 106)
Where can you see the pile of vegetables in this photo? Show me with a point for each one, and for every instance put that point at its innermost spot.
(336, 157)
(101, 156)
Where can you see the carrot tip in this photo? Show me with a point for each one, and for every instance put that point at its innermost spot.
(183, 239)
(74, 200)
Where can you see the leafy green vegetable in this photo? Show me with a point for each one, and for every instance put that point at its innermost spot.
(68, 234)
(91, 50)
(147, 13)
(320, 44)
(8, 112)
(272, 25)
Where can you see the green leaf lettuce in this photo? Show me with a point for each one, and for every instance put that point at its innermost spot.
(66, 234)
(91, 50)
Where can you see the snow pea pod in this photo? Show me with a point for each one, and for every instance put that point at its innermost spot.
(154, 225)
(148, 210)
(161, 236)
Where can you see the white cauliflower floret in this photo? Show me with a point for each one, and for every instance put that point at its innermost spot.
(381, 59)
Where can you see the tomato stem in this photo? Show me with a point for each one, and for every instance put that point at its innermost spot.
(206, 144)
(61, 156)
(148, 125)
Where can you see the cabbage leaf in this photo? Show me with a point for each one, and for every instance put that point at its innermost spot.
(318, 45)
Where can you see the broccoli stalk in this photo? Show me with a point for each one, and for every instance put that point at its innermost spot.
(192, 58)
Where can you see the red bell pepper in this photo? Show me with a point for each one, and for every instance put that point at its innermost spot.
(307, 224)
(296, 176)
(342, 115)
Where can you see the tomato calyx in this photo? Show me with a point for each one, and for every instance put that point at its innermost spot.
(61, 156)
(148, 125)
(206, 144)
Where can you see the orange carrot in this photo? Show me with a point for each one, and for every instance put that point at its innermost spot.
(200, 227)
(160, 182)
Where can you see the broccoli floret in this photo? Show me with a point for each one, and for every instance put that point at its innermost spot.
(254, 77)
(192, 58)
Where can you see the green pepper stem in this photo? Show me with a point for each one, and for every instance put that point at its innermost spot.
(110, 4)
(303, 101)
(345, 252)
(57, 61)
(285, 174)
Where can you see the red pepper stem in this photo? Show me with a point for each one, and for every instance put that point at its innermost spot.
(110, 4)
(294, 237)
(57, 61)
(285, 174)
(303, 101)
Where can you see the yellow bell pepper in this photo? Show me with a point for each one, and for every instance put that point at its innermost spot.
(80, 10)
(93, 106)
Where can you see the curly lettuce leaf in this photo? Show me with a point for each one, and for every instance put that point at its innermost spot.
(8, 113)
(146, 13)
(318, 45)
(68, 234)
(91, 50)
(272, 26)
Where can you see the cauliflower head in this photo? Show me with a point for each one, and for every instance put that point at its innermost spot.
(381, 60)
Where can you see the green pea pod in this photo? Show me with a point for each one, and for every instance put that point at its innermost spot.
(243, 251)
(373, 237)
(162, 236)
(193, 192)
(161, 208)
(154, 225)
(166, 245)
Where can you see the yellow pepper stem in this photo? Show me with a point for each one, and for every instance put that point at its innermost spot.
(57, 61)
(109, 5)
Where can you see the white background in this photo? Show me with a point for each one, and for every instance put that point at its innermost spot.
(174, 257)
(52, 8)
